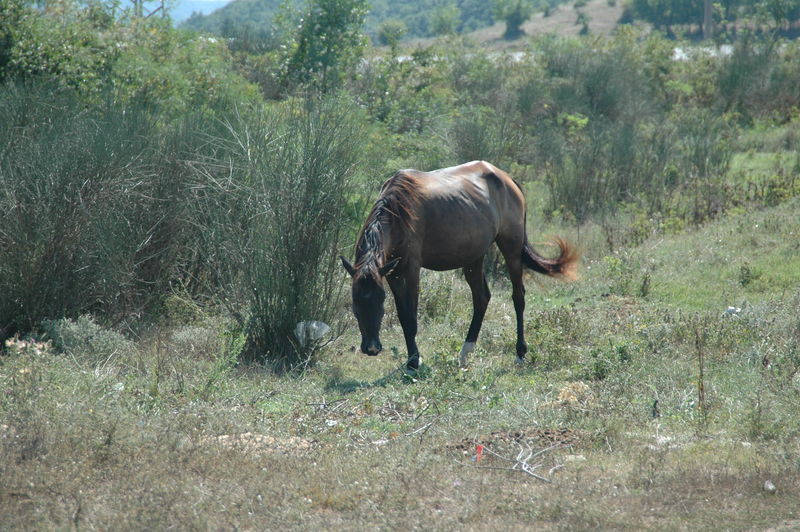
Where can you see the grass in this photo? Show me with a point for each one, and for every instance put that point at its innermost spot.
(174, 434)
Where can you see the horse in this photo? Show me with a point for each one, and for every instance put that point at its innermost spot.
(443, 220)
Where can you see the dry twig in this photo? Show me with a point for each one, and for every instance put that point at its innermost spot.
(522, 461)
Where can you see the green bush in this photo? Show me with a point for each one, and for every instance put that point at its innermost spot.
(760, 78)
(97, 211)
(481, 133)
(62, 42)
(274, 228)
(328, 43)
(92, 48)
(86, 341)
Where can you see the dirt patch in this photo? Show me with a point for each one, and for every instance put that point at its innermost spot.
(261, 443)
(504, 441)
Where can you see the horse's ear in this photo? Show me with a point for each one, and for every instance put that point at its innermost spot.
(389, 266)
(348, 266)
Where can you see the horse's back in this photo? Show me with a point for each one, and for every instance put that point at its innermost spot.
(461, 211)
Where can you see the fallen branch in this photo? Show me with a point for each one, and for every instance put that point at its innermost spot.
(422, 429)
(521, 462)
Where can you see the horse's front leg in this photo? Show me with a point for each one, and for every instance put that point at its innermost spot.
(405, 287)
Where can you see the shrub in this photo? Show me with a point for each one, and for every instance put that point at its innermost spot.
(514, 13)
(97, 217)
(328, 43)
(481, 133)
(760, 77)
(88, 47)
(275, 228)
(86, 341)
(390, 32)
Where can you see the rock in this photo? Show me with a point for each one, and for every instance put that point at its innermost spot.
(310, 331)
(769, 487)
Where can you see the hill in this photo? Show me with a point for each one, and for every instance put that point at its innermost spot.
(183, 9)
(601, 19)
(255, 16)
(236, 17)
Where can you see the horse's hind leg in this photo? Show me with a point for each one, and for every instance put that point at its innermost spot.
(511, 252)
(476, 279)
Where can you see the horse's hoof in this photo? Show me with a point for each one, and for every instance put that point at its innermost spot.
(412, 364)
(522, 349)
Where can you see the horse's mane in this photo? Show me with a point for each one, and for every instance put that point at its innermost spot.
(396, 205)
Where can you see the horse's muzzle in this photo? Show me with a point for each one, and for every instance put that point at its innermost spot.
(372, 349)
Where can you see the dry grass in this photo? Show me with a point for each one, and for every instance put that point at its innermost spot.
(175, 436)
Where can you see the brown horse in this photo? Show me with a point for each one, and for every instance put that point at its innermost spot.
(443, 220)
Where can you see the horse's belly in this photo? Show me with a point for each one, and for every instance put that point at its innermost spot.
(459, 224)
(456, 253)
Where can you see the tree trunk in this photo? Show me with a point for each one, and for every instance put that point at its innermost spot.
(708, 23)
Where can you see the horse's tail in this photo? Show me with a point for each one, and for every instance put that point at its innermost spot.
(565, 265)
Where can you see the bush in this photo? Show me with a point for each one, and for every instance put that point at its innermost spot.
(89, 48)
(86, 341)
(97, 217)
(274, 229)
(328, 43)
(759, 78)
(481, 133)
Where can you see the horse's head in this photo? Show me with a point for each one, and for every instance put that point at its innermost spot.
(368, 297)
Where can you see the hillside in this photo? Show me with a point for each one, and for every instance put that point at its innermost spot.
(419, 16)
(242, 15)
(183, 9)
(563, 20)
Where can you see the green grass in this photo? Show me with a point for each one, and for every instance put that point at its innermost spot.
(132, 440)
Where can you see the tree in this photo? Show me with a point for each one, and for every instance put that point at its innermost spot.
(328, 43)
(514, 13)
(391, 31)
(445, 20)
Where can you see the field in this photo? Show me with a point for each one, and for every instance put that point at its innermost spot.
(654, 404)
(174, 205)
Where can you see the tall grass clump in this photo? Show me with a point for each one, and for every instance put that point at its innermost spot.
(759, 78)
(91, 212)
(292, 182)
(608, 135)
(100, 209)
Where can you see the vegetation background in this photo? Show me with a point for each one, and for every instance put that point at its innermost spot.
(174, 203)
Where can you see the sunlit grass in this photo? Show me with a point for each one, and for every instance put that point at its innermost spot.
(176, 433)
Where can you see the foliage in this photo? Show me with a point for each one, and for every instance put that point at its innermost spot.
(63, 40)
(328, 43)
(407, 96)
(423, 18)
(95, 217)
(445, 20)
(759, 78)
(243, 17)
(668, 14)
(391, 31)
(274, 227)
(91, 48)
(178, 72)
(86, 341)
